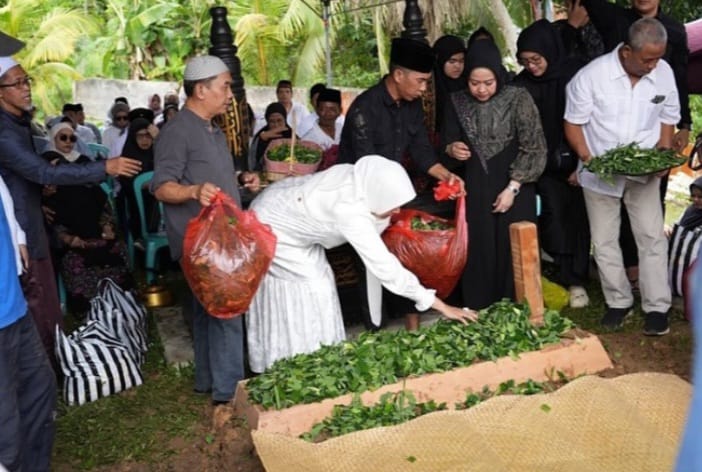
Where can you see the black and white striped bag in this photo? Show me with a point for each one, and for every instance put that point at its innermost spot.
(683, 248)
(94, 363)
(128, 329)
(133, 311)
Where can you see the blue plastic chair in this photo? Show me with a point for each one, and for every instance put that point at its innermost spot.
(99, 150)
(152, 241)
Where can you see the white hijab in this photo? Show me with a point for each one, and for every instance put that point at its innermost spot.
(381, 184)
(51, 146)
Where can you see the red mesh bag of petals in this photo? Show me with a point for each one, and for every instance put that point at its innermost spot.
(433, 248)
(226, 253)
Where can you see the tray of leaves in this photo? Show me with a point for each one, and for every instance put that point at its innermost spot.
(378, 358)
(634, 161)
(281, 160)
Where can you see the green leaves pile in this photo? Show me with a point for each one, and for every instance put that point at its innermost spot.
(396, 408)
(632, 160)
(384, 357)
(303, 154)
(418, 224)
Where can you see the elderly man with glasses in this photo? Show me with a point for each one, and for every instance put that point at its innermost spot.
(24, 173)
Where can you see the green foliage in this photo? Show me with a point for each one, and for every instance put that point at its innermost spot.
(397, 408)
(696, 111)
(630, 159)
(380, 358)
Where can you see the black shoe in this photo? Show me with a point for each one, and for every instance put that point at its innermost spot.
(656, 324)
(614, 317)
(202, 392)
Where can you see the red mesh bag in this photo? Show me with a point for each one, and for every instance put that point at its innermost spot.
(226, 253)
(436, 256)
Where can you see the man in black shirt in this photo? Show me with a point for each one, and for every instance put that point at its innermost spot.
(388, 119)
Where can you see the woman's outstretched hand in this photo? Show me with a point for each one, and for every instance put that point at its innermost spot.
(463, 315)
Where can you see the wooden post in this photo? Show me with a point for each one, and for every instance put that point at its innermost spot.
(527, 267)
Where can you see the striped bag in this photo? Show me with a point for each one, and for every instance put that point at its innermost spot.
(127, 329)
(134, 314)
(683, 248)
(94, 363)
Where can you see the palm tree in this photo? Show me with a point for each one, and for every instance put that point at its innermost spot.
(51, 34)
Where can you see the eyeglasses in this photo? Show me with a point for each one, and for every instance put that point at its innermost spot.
(121, 118)
(19, 83)
(65, 137)
(535, 60)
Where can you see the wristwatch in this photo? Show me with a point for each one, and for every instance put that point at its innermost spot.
(514, 189)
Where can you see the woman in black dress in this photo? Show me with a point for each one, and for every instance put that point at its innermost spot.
(84, 228)
(564, 232)
(495, 129)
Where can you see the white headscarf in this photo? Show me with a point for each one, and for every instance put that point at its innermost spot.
(381, 184)
(53, 132)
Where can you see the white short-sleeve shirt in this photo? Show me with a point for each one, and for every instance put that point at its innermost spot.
(613, 113)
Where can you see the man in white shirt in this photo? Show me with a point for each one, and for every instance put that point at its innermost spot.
(628, 95)
(325, 130)
(296, 111)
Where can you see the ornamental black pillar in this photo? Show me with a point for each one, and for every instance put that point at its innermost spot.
(413, 21)
(235, 122)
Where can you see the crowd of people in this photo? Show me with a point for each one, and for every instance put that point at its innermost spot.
(603, 77)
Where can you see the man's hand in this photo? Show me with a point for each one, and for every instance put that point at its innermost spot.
(24, 255)
(49, 214)
(122, 166)
(250, 180)
(204, 193)
(681, 139)
(573, 179)
(453, 178)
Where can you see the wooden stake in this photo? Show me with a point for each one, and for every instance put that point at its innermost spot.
(527, 268)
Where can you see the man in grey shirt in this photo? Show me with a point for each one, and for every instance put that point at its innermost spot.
(191, 163)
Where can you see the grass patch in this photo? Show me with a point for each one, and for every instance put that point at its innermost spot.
(136, 425)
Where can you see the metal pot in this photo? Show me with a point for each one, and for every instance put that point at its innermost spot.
(156, 296)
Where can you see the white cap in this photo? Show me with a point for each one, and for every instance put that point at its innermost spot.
(204, 67)
(6, 63)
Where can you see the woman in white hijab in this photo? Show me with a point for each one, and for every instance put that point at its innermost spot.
(296, 309)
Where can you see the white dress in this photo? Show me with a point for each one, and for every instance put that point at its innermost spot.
(297, 309)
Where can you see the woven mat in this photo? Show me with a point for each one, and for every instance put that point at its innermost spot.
(629, 423)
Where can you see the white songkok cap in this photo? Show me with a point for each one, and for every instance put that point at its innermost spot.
(6, 63)
(204, 67)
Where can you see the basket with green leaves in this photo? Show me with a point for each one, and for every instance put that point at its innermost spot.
(287, 157)
(633, 160)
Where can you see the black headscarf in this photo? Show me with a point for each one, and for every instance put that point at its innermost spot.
(548, 90)
(693, 215)
(261, 145)
(444, 48)
(132, 149)
(485, 54)
(480, 34)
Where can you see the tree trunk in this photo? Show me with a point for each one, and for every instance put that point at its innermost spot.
(505, 24)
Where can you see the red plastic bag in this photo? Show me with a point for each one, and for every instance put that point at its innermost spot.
(226, 253)
(436, 257)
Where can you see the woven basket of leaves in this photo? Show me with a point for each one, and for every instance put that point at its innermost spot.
(288, 157)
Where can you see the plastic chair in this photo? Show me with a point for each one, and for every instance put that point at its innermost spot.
(152, 241)
(99, 150)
